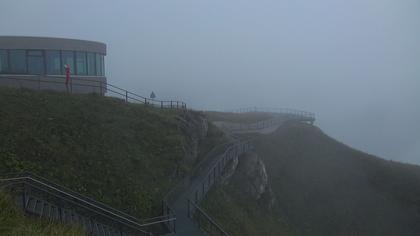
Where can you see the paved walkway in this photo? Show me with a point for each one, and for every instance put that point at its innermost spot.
(185, 225)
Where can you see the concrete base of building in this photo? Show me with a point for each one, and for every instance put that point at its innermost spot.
(76, 84)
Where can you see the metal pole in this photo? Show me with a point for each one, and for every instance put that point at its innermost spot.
(100, 88)
(214, 175)
(196, 197)
(126, 96)
(189, 208)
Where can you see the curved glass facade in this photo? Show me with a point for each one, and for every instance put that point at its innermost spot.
(50, 62)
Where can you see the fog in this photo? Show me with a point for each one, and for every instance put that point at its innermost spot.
(356, 64)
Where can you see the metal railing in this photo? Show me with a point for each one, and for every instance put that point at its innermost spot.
(78, 85)
(31, 182)
(285, 111)
(170, 217)
(201, 189)
(204, 221)
(279, 117)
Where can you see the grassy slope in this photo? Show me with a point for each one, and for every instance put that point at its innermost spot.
(321, 187)
(14, 223)
(121, 154)
(326, 188)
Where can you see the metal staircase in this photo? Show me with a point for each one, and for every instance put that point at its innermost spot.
(42, 198)
(44, 209)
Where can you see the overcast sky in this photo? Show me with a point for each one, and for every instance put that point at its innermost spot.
(356, 63)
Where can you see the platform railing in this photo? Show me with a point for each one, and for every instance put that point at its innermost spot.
(285, 111)
(84, 85)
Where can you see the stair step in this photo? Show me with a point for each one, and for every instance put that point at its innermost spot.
(52, 212)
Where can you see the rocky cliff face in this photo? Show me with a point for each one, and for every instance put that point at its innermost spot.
(248, 172)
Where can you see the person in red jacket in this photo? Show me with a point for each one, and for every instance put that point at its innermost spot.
(67, 70)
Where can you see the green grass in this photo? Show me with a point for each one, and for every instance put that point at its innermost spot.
(240, 213)
(326, 188)
(14, 223)
(125, 155)
(245, 118)
(321, 187)
(241, 216)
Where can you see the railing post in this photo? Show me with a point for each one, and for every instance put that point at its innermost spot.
(176, 104)
(100, 88)
(145, 101)
(214, 175)
(24, 197)
(209, 179)
(171, 104)
(196, 197)
(126, 96)
(189, 208)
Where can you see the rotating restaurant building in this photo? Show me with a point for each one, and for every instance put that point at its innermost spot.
(39, 63)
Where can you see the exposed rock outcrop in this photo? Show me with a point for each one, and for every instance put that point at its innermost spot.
(248, 172)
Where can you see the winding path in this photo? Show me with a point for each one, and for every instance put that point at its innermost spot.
(187, 226)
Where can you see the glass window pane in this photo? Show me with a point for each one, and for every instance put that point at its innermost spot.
(53, 62)
(102, 65)
(81, 63)
(35, 53)
(4, 61)
(67, 57)
(98, 65)
(91, 63)
(35, 62)
(17, 61)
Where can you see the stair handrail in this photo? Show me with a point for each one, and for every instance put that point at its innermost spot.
(24, 180)
(66, 190)
(207, 217)
(233, 151)
(87, 202)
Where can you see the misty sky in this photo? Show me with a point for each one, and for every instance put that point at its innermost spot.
(356, 63)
